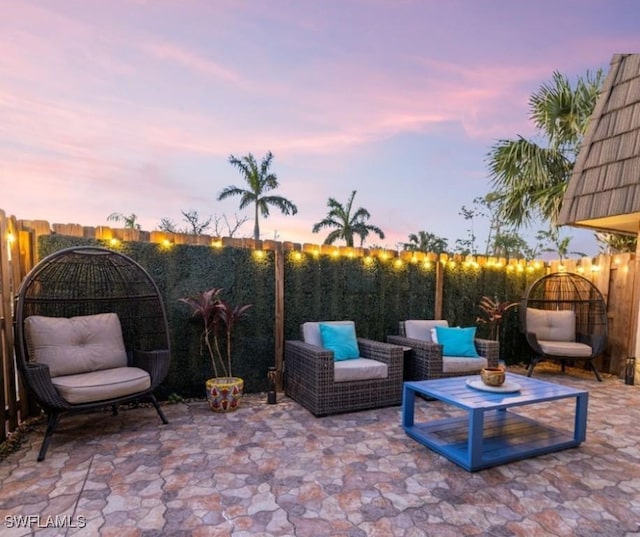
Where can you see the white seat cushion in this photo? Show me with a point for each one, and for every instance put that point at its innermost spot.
(418, 329)
(346, 370)
(455, 364)
(101, 385)
(359, 369)
(565, 348)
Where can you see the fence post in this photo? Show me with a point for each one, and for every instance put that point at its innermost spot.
(437, 314)
(279, 313)
(635, 296)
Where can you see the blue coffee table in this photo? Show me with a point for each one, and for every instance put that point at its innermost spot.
(490, 434)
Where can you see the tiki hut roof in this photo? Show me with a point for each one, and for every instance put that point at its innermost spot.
(604, 189)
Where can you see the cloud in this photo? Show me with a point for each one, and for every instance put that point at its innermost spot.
(190, 60)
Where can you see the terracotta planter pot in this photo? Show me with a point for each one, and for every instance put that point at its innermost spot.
(224, 393)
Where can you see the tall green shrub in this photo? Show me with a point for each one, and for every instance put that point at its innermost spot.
(375, 293)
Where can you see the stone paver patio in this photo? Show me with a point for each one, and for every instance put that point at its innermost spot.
(277, 470)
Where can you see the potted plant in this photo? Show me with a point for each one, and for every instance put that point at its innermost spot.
(493, 311)
(219, 318)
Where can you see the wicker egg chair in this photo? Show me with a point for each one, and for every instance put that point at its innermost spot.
(564, 318)
(85, 285)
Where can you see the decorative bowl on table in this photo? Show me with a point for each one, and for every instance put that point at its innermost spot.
(493, 376)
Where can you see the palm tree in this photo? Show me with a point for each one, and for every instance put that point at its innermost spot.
(426, 242)
(130, 222)
(614, 243)
(346, 224)
(529, 180)
(260, 181)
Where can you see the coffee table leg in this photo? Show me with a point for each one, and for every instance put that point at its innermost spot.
(408, 406)
(580, 425)
(476, 427)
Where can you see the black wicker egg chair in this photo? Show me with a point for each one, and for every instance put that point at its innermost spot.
(564, 318)
(90, 332)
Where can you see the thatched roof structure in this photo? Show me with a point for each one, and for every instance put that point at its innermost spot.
(604, 189)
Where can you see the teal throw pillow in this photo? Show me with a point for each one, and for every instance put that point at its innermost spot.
(457, 341)
(341, 339)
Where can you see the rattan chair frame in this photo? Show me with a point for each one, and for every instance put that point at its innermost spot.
(568, 291)
(424, 361)
(309, 378)
(85, 281)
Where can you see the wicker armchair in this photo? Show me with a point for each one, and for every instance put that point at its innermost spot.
(310, 374)
(424, 359)
(564, 318)
(90, 332)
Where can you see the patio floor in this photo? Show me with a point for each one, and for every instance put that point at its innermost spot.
(277, 470)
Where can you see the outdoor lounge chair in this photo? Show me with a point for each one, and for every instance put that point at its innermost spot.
(90, 332)
(370, 378)
(424, 359)
(564, 318)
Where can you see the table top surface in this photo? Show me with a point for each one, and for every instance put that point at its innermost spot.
(455, 390)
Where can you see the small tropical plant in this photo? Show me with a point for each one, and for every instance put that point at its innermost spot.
(130, 221)
(493, 310)
(219, 319)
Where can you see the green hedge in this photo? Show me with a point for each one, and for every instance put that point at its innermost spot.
(466, 284)
(374, 293)
(183, 270)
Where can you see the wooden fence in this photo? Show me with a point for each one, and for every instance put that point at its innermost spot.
(613, 275)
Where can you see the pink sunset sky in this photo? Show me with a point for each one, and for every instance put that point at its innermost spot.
(134, 106)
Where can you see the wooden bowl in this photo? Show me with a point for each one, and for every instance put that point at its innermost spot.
(493, 376)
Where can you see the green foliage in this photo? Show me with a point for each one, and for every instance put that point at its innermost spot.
(347, 222)
(529, 180)
(423, 241)
(464, 288)
(376, 294)
(260, 181)
(129, 221)
(616, 243)
(183, 270)
(510, 245)
(551, 241)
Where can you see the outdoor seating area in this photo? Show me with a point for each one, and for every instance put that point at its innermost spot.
(276, 470)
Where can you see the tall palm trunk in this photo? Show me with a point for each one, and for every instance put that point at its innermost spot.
(256, 226)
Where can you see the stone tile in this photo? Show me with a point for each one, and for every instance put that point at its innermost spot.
(277, 470)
